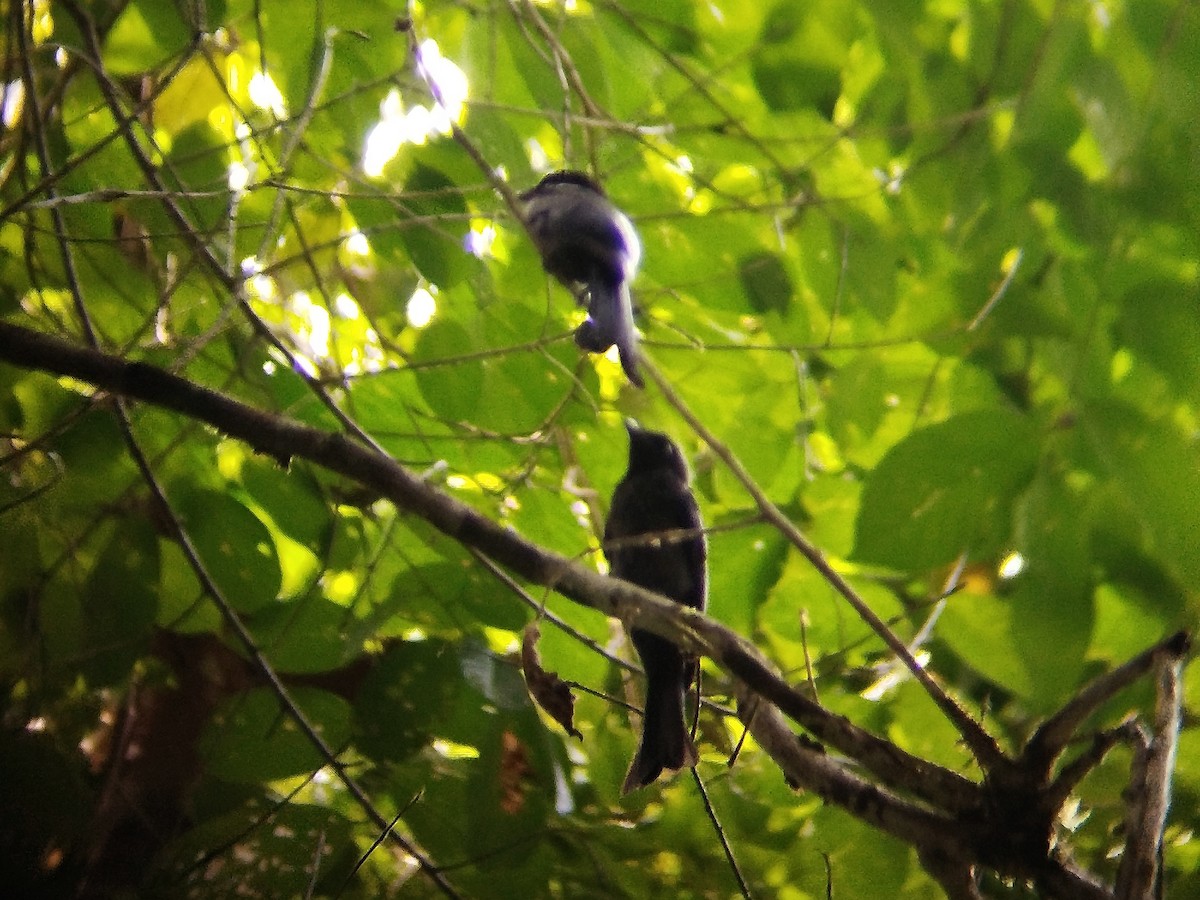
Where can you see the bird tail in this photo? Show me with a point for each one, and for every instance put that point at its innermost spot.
(665, 742)
(610, 321)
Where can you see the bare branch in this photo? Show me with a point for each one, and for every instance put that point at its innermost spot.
(807, 766)
(283, 440)
(1004, 823)
(983, 745)
(1072, 774)
(1051, 738)
(1139, 876)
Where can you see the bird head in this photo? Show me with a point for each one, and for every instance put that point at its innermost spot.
(652, 450)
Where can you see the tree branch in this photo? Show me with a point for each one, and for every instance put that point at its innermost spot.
(982, 745)
(1139, 875)
(956, 822)
(1052, 736)
(283, 440)
(809, 767)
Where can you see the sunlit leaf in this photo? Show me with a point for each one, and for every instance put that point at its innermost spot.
(945, 490)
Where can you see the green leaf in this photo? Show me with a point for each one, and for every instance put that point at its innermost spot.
(251, 739)
(234, 545)
(455, 595)
(790, 78)
(510, 789)
(1052, 608)
(862, 862)
(143, 35)
(829, 624)
(119, 602)
(405, 698)
(746, 564)
(92, 455)
(309, 634)
(980, 631)
(548, 513)
(450, 386)
(767, 284)
(857, 400)
(945, 490)
(432, 222)
(272, 861)
(1160, 321)
(292, 499)
(1159, 473)
(199, 165)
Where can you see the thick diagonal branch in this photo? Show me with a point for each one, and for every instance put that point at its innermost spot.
(284, 440)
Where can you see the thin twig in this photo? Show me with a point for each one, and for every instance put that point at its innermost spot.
(379, 839)
(234, 283)
(1000, 291)
(1052, 736)
(284, 440)
(246, 639)
(540, 608)
(982, 745)
(318, 852)
(743, 887)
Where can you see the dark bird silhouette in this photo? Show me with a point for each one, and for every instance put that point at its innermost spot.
(586, 241)
(653, 502)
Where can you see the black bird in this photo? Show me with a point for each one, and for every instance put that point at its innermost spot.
(584, 240)
(653, 499)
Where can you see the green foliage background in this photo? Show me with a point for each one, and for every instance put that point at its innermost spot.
(929, 269)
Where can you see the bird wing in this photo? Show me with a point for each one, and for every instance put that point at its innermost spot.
(651, 504)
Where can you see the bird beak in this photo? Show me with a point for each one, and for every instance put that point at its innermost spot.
(632, 427)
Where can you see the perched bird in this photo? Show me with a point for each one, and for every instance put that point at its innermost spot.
(653, 502)
(586, 241)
